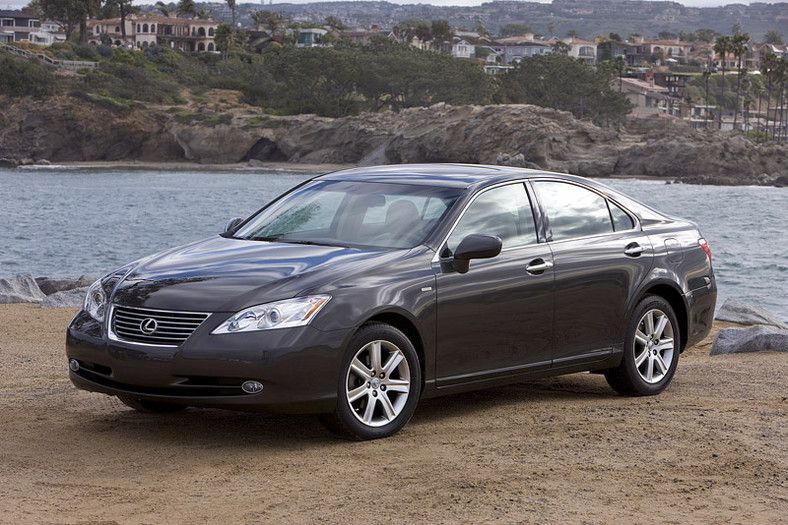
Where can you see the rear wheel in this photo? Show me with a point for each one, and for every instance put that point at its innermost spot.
(379, 384)
(651, 350)
(150, 407)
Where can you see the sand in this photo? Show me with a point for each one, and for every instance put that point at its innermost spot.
(713, 448)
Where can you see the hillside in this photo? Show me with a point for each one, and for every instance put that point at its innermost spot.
(216, 128)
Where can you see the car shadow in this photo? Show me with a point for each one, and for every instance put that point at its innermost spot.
(239, 430)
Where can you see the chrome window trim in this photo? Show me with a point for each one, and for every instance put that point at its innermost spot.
(437, 258)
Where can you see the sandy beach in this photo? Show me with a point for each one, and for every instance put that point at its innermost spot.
(713, 448)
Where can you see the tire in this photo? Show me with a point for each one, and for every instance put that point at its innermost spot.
(379, 384)
(651, 350)
(150, 407)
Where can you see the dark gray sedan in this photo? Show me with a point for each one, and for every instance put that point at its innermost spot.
(359, 292)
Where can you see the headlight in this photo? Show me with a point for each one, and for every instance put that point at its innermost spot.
(281, 314)
(96, 302)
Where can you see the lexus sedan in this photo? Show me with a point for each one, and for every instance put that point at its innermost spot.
(358, 293)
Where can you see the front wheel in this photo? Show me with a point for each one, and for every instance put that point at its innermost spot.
(651, 350)
(379, 384)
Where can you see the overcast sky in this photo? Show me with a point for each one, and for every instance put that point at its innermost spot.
(16, 4)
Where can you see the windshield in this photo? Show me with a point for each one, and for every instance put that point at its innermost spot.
(358, 214)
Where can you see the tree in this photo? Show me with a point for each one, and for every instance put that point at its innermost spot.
(441, 32)
(706, 76)
(722, 46)
(186, 7)
(572, 33)
(706, 35)
(561, 48)
(480, 28)
(738, 47)
(773, 37)
(565, 83)
(231, 5)
(515, 30)
(551, 28)
(224, 38)
(162, 8)
(335, 23)
(615, 37)
(667, 35)
(70, 14)
(415, 28)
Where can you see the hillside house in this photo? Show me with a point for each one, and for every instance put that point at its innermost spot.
(16, 26)
(185, 34)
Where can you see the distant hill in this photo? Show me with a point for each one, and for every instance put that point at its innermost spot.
(588, 17)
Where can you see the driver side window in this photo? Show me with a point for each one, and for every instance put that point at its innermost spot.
(504, 212)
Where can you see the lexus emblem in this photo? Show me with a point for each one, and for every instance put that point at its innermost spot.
(148, 326)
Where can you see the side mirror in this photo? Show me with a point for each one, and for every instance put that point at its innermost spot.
(233, 224)
(475, 246)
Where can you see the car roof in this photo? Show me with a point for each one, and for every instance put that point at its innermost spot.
(464, 176)
(448, 175)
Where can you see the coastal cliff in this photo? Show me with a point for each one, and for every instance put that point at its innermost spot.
(69, 129)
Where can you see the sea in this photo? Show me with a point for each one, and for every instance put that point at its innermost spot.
(68, 221)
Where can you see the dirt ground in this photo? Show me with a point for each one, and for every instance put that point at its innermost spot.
(713, 448)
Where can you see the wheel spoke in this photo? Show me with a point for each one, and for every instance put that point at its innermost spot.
(393, 363)
(385, 402)
(648, 322)
(397, 385)
(662, 322)
(650, 370)
(357, 393)
(360, 369)
(665, 344)
(641, 338)
(374, 357)
(663, 369)
(370, 411)
(641, 357)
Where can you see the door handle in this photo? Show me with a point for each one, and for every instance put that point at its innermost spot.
(538, 266)
(634, 249)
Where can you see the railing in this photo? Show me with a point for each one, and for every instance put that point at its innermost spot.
(66, 64)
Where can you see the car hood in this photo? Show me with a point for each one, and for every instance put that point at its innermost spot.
(225, 275)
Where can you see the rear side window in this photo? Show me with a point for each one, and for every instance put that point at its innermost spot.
(621, 219)
(573, 211)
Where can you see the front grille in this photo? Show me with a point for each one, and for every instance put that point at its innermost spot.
(154, 327)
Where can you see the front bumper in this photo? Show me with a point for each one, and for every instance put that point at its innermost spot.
(298, 367)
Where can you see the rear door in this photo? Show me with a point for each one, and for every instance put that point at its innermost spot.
(600, 256)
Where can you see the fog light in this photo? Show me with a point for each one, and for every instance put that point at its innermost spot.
(251, 386)
(73, 365)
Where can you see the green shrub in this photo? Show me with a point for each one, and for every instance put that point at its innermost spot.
(21, 78)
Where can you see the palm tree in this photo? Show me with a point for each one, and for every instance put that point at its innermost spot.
(187, 7)
(162, 8)
(231, 5)
(738, 47)
(706, 76)
(769, 70)
(721, 46)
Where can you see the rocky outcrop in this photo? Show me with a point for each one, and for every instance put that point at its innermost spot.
(72, 129)
(66, 299)
(740, 312)
(52, 285)
(20, 289)
(751, 339)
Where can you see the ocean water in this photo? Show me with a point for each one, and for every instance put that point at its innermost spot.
(69, 221)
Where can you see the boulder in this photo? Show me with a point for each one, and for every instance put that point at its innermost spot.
(20, 289)
(50, 285)
(751, 339)
(740, 312)
(69, 298)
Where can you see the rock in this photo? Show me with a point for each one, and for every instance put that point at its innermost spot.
(69, 298)
(20, 289)
(740, 312)
(8, 163)
(50, 285)
(751, 339)
(43, 162)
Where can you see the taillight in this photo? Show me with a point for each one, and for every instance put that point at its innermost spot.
(705, 245)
